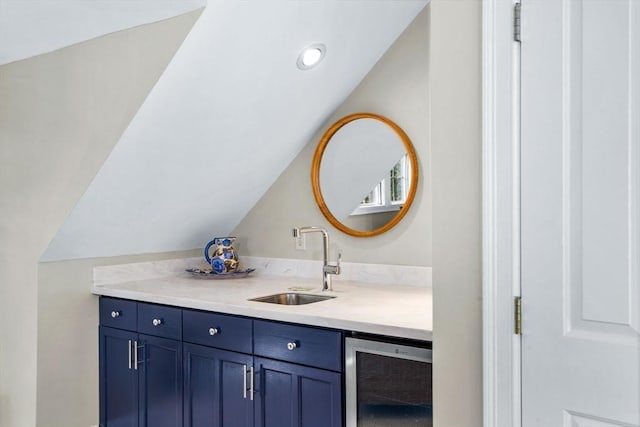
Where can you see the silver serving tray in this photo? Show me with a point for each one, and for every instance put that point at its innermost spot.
(210, 274)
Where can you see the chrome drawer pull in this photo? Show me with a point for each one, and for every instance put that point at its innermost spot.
(157, 322)
(292, 346)
(213, 331)
(115, 314)
(129, 354)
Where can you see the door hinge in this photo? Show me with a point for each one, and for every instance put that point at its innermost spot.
(517, 315)
(516, 21)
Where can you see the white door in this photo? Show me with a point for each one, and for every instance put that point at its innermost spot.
(580, 194)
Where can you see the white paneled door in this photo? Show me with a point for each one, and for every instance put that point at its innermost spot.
(580, 196)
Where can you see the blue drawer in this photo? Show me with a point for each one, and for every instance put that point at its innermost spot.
(118, 313)
(309, 346)
(160, 320)
(218, 330)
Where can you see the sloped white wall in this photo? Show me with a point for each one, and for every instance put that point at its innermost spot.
(60, 115)
(33, 27)
(398, 88)
(230, 113)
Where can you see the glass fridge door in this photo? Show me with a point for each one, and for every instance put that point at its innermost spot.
(392, 391)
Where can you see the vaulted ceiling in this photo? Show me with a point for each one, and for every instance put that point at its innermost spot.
(230, 112)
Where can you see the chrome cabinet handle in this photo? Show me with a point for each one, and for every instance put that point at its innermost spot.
(244, 382)
(213, 331)
(157, 322)
(135, 355)
(129, 348)
(115, 314)
(292, 346)
(251, 389)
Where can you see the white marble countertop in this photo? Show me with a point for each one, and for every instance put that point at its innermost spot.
(390, 309)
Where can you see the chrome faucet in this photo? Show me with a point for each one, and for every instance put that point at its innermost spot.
(327, 269)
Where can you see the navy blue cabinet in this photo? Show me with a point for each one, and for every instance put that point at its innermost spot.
(118, 381)
(140, 374)
(160, 382)
(299, 379)
(217, 389)
(291, 395)
(169, 367)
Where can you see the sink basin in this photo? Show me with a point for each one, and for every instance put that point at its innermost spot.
(291, 298)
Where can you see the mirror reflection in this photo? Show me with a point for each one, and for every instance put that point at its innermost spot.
(364, 174)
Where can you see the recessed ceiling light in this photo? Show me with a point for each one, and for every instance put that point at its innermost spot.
(311, 56)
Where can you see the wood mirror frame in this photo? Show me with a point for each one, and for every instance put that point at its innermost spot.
(315, 174)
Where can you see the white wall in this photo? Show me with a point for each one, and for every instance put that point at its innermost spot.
(67, 364)
(456, 112)
(60, 115)
(397, 87)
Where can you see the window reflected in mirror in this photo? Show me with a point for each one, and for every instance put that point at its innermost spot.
(390, 194)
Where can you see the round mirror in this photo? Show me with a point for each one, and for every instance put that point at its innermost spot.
(364, 174)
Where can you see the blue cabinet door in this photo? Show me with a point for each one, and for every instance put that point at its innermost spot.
(291, 395)
(118, 379)
(217, 388)
(160, 382)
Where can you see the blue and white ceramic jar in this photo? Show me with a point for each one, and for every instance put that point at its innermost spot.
(223, 257)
